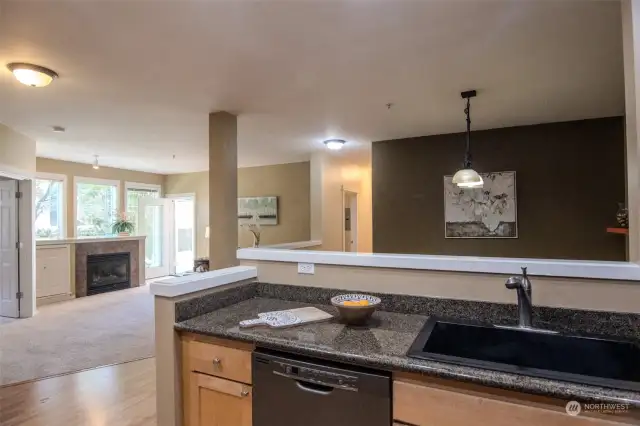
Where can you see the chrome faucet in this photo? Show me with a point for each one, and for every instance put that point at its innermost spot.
(525, 305)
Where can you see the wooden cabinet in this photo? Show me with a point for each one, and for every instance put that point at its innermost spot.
(53, 271)
(425, 404)
(218, 402)
(216, 382)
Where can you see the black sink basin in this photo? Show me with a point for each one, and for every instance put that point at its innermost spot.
(589, 360)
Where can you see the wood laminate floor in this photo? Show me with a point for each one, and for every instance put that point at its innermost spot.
(118, 395)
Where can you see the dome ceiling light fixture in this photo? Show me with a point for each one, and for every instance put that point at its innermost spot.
(32, 75)
(467, 177)
(334, 144)
(96, 166)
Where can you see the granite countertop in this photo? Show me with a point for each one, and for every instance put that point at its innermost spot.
(382, 344)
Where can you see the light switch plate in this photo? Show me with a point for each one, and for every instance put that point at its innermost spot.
(306, 268)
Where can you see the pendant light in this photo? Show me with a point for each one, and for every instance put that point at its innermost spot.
(467, 177)
(96, 166)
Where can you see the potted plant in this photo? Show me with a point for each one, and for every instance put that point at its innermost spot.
(122, 225)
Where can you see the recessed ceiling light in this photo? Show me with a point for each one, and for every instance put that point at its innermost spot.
(58, 129)
(32, 75)
(334, 144)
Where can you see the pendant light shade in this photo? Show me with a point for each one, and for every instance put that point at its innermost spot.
(467, 177)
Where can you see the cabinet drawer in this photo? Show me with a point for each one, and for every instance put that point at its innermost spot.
(221, 361)
(427, 406)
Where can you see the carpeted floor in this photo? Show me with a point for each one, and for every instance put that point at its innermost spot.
(81, 333)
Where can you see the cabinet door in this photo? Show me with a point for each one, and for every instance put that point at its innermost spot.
(219, 402)
(52, 271)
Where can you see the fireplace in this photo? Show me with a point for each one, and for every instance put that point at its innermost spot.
(108, 272)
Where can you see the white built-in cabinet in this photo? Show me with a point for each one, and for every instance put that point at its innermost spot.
(53, 273)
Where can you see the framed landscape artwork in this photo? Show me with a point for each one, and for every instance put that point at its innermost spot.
(488, 212)
(265, 207)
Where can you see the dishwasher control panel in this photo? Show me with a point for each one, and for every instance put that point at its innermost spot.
(316, 376)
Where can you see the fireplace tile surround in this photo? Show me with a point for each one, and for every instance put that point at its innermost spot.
(84, 249)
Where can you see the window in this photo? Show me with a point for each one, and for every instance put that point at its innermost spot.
(96, 206)
(136, 191)
(50, 207)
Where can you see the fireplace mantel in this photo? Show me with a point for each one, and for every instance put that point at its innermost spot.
(84, 240)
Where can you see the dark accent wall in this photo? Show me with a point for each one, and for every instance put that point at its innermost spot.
(569, 178)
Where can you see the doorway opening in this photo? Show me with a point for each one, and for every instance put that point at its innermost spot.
(350, 221)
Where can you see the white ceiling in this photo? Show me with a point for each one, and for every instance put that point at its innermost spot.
(138, 78)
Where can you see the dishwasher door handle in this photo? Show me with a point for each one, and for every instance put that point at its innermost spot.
(328, 385)
(304, 387)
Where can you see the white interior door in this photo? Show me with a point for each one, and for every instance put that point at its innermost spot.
(9, 278)
(156, 223)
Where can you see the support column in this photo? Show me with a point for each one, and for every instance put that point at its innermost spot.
(631, 52)
(223, 190)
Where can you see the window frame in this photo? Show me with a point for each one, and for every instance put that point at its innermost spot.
(59, 177)
(95, 181)
(137, 185)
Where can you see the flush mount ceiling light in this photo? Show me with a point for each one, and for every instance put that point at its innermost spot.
(96, 166)
(58, 129)
(467, 177)
(334, 144)
(32, 75)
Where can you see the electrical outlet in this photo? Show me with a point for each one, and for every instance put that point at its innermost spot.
(306, 268)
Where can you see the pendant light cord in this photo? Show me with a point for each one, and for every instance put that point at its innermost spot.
(467, 154)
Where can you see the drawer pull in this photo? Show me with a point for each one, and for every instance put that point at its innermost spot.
(244, 393)
(216, 361)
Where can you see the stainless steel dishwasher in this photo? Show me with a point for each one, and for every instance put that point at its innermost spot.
(295, 391)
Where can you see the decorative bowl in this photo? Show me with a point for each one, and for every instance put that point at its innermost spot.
(355, 309)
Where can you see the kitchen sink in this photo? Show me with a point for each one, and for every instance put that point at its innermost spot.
(593, 360)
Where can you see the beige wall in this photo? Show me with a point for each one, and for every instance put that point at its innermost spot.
(333, 172)
(290, 182)
(17, 153)
(603, 295)
(71, 169)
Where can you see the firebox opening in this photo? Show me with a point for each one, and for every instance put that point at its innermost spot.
(108, 272)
